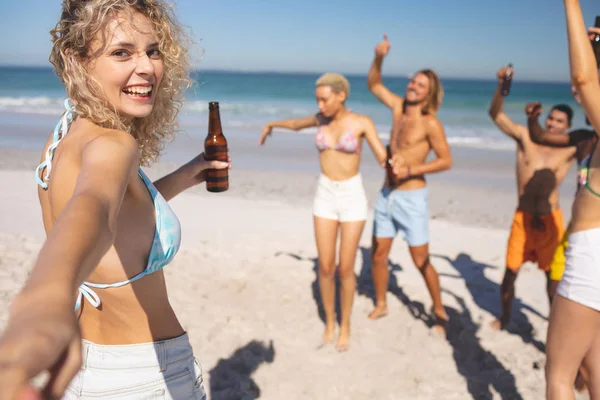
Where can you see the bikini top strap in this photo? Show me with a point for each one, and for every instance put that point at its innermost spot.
(60, 131)
(587, 178)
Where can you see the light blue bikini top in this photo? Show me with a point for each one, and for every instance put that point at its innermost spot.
(167, 235)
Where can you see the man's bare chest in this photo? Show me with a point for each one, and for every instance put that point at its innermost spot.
(408, 133)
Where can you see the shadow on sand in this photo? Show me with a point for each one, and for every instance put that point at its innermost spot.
(486, 294)
(364, 287)
(231, 378)
(480, 368)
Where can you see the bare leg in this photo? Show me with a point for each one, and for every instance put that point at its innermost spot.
(590, 370)
(420, 256)
(350, 236)
(583, 376)
(573, 332)
(379, 269)
(506, 298)
(551, 286)
(326, 235)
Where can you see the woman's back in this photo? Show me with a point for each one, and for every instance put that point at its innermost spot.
(110, 230)
(143, 308)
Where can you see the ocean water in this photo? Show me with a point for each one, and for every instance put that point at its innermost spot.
(249, 100)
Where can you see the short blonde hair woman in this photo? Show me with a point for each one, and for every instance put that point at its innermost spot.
(340, 202)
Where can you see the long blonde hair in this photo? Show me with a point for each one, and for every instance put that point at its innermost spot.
(80, 23)
(436, 92)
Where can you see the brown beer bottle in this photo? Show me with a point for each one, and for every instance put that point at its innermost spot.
(388, 167)
(507, 81)
(215, 148)
(596, 43)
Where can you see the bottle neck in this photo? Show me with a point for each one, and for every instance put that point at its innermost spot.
(214, 122)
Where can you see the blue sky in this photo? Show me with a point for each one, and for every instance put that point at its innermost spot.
(458, 38)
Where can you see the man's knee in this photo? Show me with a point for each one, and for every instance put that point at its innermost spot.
(420, 257)
(381, 250)
(422, 263)
(380, 257)
(508, 282)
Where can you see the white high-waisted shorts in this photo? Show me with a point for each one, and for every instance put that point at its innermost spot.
(581, 280)
(341, 200)
(165, 369)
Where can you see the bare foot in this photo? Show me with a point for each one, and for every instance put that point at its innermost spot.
(441, 321)
(328, 336)
(343, 341)
(379, 312)
(497, 324)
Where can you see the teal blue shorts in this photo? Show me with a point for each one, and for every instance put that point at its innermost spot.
(402, 211)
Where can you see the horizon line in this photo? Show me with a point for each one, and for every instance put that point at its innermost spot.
(312, 73)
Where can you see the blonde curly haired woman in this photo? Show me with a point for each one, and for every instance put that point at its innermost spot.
(110, 230)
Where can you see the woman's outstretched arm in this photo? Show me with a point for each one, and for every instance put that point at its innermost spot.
(293, 124)
(42, 332)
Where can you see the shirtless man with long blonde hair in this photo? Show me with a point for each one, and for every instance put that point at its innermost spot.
(402, 205)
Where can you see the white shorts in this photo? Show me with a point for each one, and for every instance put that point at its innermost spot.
(165, 370)
(342, 201)
(581, 280)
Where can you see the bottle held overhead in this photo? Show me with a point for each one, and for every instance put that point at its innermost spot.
(506, 84)
(215, 148)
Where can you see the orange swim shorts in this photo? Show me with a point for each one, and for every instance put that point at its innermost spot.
(534, 240)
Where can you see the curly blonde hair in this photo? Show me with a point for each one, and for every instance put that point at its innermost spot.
(80, 24)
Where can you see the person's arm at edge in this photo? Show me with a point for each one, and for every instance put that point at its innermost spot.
(584, 73)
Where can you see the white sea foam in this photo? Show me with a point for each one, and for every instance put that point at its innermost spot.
(252, 115)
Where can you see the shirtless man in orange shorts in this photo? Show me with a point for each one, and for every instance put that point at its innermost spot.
(538, 225)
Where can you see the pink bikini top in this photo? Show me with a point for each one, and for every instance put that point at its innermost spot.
(348, 142)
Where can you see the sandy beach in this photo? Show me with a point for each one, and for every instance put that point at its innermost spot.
(244, 282)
